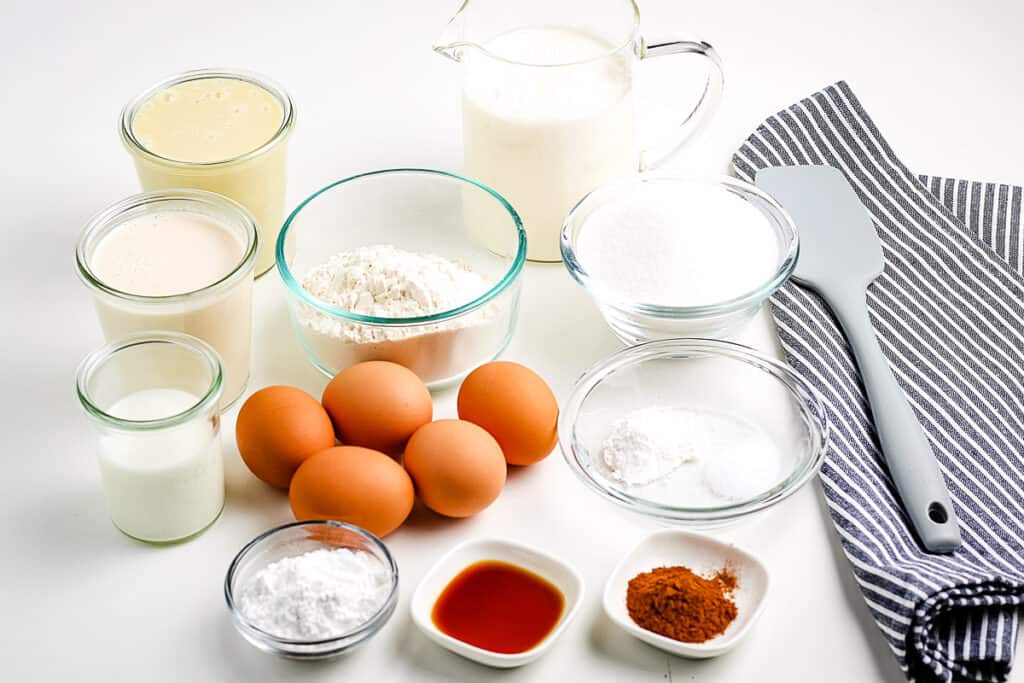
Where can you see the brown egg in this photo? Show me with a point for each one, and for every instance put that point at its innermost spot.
(378, 405)
(355, 485)
(458, 467)
(277, 429)
(516, 406)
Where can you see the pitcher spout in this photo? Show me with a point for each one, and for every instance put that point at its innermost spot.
(452, 42)
(452, 51)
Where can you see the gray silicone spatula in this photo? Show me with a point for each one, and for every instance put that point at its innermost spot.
(840, 255)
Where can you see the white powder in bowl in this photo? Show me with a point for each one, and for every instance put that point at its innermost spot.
(647, 445)
(387, 282)
(678, 244)
(688, 457)
(744, 471)
(318, 595)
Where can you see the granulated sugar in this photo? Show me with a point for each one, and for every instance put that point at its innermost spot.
(689, 244)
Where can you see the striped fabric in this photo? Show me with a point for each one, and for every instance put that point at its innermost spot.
(949, 312)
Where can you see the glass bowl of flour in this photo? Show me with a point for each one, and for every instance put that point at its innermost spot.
(668, 257)
(412, 266)
(311, 590)
(693, 431)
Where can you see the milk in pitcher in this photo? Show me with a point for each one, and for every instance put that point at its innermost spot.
(547, 116)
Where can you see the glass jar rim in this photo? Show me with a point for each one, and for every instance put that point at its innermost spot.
(279, 93)
(109, 218)
(99, 357)
(776, 216)
(296, 288)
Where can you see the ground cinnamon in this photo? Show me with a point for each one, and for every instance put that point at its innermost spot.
(679, 604)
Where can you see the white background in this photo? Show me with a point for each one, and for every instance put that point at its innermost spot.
(79, 601)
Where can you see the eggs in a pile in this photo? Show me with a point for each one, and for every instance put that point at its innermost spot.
(381, 413)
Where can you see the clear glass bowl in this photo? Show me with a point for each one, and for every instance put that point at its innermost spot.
(635, 322)
(294, 539)
(746, 414)
(416, 210)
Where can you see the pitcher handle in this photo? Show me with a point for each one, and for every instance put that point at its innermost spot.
(706, 105)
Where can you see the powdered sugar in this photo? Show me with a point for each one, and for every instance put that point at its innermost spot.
(320, 594)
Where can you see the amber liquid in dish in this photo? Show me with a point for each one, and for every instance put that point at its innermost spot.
(498, 607)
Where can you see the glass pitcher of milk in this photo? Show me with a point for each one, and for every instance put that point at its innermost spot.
(547, 105)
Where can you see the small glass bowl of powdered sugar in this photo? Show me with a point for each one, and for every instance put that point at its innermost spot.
(671, 257)
(311, 590)
(413, 266)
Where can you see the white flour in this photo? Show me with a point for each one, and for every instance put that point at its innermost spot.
(386, 282)
(683, 455)
(683, 244)
(320, 594)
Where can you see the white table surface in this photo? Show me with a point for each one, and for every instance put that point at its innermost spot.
(82, 602)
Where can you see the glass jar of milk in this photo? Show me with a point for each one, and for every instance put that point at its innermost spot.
(180, 261)
(153, 399)
(547, 105)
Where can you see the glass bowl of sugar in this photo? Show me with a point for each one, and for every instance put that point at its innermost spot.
(311, 590)
(413, 266)
(695, 432)
(667, 257)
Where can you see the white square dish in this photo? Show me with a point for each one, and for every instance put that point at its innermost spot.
(704, 555)
(560, 574)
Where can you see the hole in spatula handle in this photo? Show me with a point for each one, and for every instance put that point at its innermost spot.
(937, 513)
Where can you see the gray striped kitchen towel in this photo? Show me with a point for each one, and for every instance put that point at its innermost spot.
(949, 312)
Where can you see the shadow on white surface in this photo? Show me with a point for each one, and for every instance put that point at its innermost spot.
(440, 664)
(885, 661)
(277, 355)
(424, 520)
(246, 495)
(71, 522)
(611, 642)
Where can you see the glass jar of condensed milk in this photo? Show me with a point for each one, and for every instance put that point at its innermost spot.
(221, 130)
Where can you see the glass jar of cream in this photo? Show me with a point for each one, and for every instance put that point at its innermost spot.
(180, 261)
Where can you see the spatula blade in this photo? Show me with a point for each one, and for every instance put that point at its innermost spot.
(838, 242)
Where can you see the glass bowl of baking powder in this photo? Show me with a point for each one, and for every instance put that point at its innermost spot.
(312, 589)
(413, 266)
(693, 432)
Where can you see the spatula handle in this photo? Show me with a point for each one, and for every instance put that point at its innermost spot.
(905, 445)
